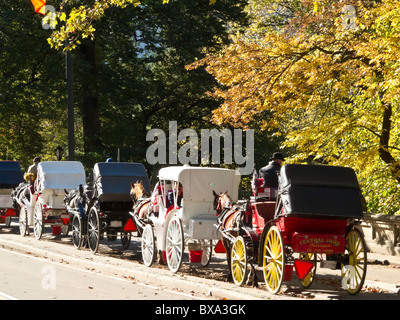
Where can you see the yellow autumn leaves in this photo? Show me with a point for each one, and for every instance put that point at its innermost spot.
(333, 90)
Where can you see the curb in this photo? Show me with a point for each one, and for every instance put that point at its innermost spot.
(200, 288)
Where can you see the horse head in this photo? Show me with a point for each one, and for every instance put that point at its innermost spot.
(137, 191)
(221, 201)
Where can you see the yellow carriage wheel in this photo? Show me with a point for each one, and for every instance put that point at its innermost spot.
(273, 260)
(308, 280)
(239, 261)
(353, 273)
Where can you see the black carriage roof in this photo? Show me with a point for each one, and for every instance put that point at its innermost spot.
(320, 191)
(10, 173)
(319, 176)
(116, 169)
(113, 179)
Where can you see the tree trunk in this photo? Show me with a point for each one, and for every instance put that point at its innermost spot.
(384, 152)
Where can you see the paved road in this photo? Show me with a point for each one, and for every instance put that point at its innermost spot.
(53, 269)
(29, 277)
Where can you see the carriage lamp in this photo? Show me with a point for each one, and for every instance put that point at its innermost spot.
(59, 153)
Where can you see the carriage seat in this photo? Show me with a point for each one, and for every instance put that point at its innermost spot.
(262, 213)
(265, 209)
(264, 193)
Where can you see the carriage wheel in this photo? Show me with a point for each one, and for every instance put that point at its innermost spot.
(77, 231)
(206, 254)
(308, 280)
(38, 225)
(93, 228)
(23, 221)
(174, 244)
(353, 274)
(273, 260)
(149, 252)
(125, 239)
(239, 261)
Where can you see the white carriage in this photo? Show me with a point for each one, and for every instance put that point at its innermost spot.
(190, 219)
(46, 203)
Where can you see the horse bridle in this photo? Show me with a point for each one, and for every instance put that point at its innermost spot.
(219, 203)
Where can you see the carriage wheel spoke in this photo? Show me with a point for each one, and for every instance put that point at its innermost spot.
(273, 260)
(356, 250)
(238, 261)
(174, 244)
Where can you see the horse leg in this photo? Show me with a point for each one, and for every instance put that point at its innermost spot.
(252, 278)
(141, 214)
(161, 258)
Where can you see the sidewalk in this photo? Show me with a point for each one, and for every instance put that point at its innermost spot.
(383, 271)
(384, 259)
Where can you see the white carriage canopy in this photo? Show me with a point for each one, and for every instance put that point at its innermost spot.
(60, 175)
(199, 182)
(113, 179)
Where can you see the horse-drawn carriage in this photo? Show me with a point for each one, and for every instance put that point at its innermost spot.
(43, 203)
(108, 204)
(183, 213)
(10, 178)
(315, 219)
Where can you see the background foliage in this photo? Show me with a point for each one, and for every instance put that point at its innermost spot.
(309, 78)
(330, 80)
(129, 76)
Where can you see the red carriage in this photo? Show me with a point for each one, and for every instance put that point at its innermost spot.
(315, 219)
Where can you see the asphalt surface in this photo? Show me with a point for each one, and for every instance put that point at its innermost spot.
(210, 283)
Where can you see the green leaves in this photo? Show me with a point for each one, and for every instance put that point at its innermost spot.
(79, 21)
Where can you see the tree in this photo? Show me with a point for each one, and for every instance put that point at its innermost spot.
(78, 18)
(31, 94)
(138, 68)
(329, 77)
